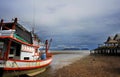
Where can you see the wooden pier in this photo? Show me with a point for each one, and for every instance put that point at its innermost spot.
(110, 47)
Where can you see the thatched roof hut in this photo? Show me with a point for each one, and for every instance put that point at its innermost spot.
(110, 40)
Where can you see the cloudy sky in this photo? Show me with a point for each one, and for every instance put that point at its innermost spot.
(72, 23)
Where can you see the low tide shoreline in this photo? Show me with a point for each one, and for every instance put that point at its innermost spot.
(70, 52)
(91, 66)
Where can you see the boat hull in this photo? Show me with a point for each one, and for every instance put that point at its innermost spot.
(14, 73)
(16, 69)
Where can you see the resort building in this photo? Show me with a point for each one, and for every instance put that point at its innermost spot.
(110, 46)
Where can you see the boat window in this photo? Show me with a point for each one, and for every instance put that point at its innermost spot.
(26, 58)
(1, 44)
(18, 50)
(23, 34)
(14, 52)
(1, 48)
(11, 51)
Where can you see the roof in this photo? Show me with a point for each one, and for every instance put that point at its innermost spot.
(19, 30)
(110, 39)
(113, 39)
(117, 37)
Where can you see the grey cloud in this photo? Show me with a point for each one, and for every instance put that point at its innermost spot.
(67, 21)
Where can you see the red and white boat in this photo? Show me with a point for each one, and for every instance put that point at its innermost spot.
(19, 51)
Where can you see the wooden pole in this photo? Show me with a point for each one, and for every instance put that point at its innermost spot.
(46, 45)
(8, 49)
(14, 24)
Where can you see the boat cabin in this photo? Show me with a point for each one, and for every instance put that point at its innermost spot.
(17, 43)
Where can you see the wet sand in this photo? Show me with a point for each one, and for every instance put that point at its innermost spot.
(90, 66)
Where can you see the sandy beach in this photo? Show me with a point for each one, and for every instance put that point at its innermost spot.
(90, 66)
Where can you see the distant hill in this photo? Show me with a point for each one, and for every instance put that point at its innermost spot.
(71, 49)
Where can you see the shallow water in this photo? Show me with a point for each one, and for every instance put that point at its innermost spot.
(61, 60)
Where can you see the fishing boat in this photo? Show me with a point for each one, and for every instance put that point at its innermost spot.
(19, 51)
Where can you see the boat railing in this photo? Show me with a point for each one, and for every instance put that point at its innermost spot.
(7, 32)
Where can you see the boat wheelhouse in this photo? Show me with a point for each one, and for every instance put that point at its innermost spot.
(19, 50)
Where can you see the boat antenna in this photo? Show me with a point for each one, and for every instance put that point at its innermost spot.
(33, 27)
